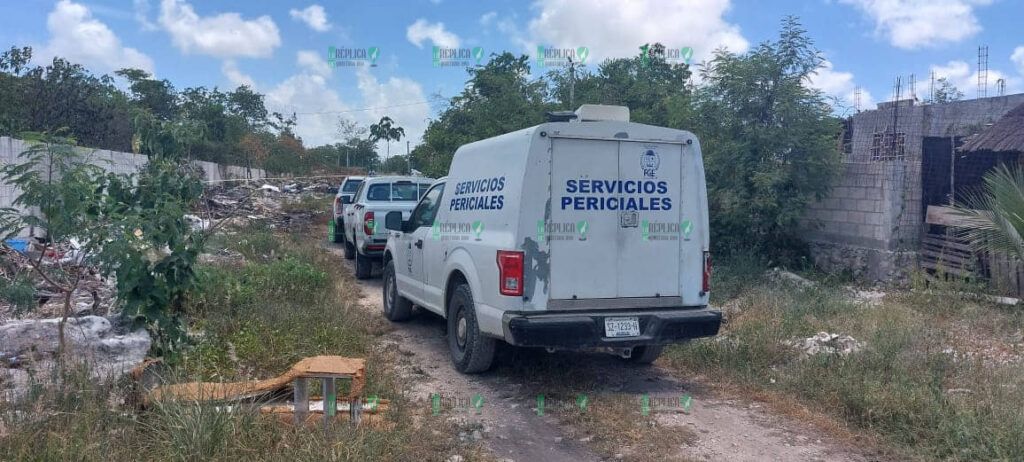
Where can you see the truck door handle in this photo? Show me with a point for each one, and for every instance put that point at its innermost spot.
(419, 243)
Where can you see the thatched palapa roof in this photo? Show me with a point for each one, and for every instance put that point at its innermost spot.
(1006, 135)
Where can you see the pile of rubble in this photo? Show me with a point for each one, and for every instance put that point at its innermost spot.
(234, 205)
(827, 343)
(93, 295)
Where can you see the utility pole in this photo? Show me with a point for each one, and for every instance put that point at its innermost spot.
(408, 157)
(572, 83)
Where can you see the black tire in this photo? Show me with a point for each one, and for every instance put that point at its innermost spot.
(339, 232)
(364, 266)
(646, 354)
(396, 307)
(350, 249)
(471, 351)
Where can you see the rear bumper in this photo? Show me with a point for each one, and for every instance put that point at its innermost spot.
(585, 329)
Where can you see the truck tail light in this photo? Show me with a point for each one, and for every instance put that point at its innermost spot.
(510, 272)
(368, 223)
(337, 203)
(706, 283)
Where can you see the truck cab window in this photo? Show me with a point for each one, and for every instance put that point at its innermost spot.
(426, 210)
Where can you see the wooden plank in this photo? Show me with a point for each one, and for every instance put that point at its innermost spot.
(948, 216)
(947, 269)
(953, 259)
(937, 241)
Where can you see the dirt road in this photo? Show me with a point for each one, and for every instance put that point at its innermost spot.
(511, 429)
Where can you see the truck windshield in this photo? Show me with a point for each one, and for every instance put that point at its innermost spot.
(351, 186)
(393, 192)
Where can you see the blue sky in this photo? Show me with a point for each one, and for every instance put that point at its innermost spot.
(280, 48)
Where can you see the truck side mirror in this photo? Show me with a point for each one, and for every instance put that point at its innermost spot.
(393, 221)
(345, 200)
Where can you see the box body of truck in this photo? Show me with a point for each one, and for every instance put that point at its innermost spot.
(572, 235)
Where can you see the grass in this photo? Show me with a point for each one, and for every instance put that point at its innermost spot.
(904, 385)
(288, 300)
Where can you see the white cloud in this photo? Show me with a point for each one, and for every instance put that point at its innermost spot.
(913, 24)
(141, 8)
(487, 18)
(225, 35)
(840, 85)
(311, 94)
(959, 74)
(235, 75)
(1018, 58)
(313, 62)
(421, 30)
(314, 16)
(624, 28)
(78, 37)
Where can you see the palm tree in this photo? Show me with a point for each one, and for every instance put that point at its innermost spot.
(993, 218)
(386, 130)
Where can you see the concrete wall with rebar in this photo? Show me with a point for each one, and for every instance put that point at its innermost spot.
(871, 222)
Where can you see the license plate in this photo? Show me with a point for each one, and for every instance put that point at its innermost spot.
(622, 327)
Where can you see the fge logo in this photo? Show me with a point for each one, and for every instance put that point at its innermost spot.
(649, 162)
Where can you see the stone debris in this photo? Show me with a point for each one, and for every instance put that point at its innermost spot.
(28, 348)
(781, 275)
(828, 343)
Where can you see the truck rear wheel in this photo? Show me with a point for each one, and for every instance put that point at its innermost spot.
(646, 354)
(339, 232)
(364, 266)
(396, 307)
(471, 351)
(350, 249)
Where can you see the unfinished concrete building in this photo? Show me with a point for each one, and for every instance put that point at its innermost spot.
(897, 160)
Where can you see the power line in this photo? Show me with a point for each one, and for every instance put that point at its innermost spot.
(433, 100)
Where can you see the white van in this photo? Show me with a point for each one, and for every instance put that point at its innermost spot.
(590, 233)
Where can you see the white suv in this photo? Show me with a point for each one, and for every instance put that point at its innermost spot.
(567, 235)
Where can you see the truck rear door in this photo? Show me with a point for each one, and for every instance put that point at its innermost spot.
(617, 221)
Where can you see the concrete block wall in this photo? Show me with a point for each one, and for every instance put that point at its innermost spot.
(872, 221)
(112, 161)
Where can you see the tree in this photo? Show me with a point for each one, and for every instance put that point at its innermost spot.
(768, 139)
(156, 96)
(994, 216)
(648, 85)
(946, 92)
(498, 98)
(399, 164)
(386, 130)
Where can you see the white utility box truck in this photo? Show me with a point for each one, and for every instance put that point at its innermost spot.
(589, 232)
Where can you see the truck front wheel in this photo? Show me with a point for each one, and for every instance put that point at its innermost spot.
(471, 351)
(396, 307)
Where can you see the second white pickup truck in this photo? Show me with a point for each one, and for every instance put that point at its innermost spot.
(364, 234)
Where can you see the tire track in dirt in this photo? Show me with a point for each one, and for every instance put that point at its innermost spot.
(512, 430)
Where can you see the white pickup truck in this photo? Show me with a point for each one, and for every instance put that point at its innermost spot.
(343, 200)
(590, 233)
(364, 237)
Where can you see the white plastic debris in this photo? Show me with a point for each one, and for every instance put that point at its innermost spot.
(268, 187)
(828, 343)
(197, 223)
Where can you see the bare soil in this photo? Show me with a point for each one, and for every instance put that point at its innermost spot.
(723, 428)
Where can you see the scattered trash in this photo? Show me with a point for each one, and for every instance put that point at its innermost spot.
(268, 187)
(18, 245)
(828, 343)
